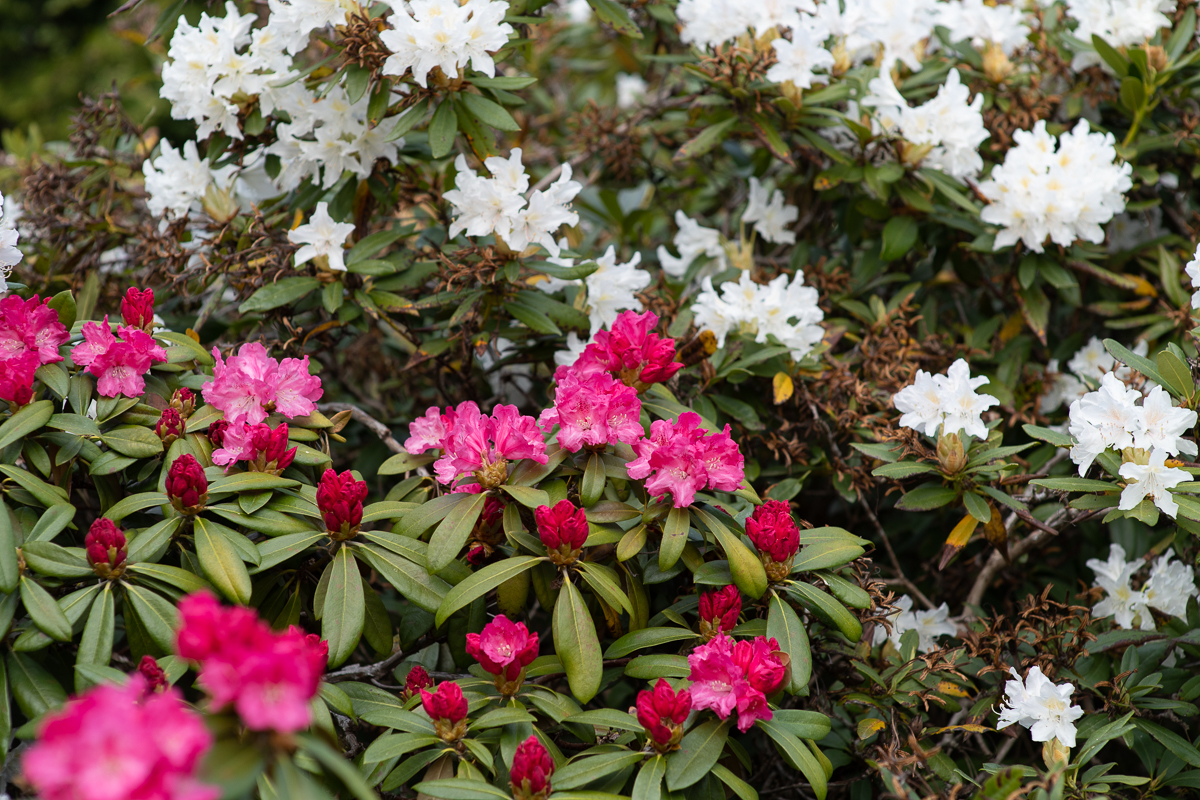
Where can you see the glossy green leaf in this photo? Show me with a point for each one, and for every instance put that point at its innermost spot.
(577, 644)
(482, 582)
(221, 563)
(698, 751)
(344, 612)
(785, 626)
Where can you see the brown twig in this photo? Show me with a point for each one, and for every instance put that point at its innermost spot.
(376, 427)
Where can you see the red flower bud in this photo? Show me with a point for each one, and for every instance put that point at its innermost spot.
(531, 770)
(447, 707)
(156, 679)
(563, 529)
(416, 680)
(719, 611)
(169, 426)
(137, 309)
(504, 648)
(187, 486)
(184, 401)
(662, 712)
(271, 446)
(105, 544)
(776, 536)
(216, 432)
(340, 498)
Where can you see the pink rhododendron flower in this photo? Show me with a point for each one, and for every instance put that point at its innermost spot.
(268, 677)
(662, 712)
(504, 648)
(630, 352)
(447, 707)
(16, 377)
(120, 363)
(30, 326)
(593, 411)
(120, 743)
(263, 448)
(251, 384)
(678, 456)
(726, 675)
(475, 444)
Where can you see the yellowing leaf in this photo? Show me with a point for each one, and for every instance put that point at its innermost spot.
(957, 539)
(964, 728)
(951, 689)
(1012, 326)
(870, 726)
(1143, 286)
(783, 387)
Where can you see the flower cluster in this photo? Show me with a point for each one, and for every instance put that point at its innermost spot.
(610, 289)
(447, 707)
(692, 240)
(340, 501)
(1192, 268)
(563, 529)
(786, 310)
(120, 364)
(178, 181)
(251, 385)
(474, 444)
(268, 677)
(445, 36)
(105, 547)
(263, 448)
(504, 649)
(593, 411)
(719, 611)
(1167, 589)
(1042, 707)
(126, 742)
(711, 22)
(497, 204)
(947, 401)
(10, 254)
(1064, 189)
(682, 458)
(944, 133)
(929, 625)
(728, 676)
(776, 536)
(532, 767)
(798, 60)
(187, 485)
(770, 214)
(629, 352)
(30, 335)
(1120, 23)
(322, 239)
(1089, 363)
(662, 713)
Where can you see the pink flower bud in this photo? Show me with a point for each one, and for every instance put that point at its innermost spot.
(662, 712)
(719, 611)
(187, 486)
(416, 680)
(340, 499)
(16, 378)
(563, 529)
(137, 309)
(504, 648)
(531, 770)
(447, 707)
(169, 426)
(184, 401)
(216, 432)
(156, 679)
(105, 544)
(776, 536)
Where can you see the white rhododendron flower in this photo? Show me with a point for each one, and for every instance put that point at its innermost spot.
(692, 241)
(803, 57)
(1193, 271)
(322, 236)
(611, 289)
(948, 401)
(10, 255)
(1120, 23)
(1003, 26)
(1042, 707)
(771, 217)
(176, 181)
(787, 311)
(708, 23)
(897, 29)
(1111, 417)
(1064, 188)
(630, 90)
(1170, 585)
(442, 34)
(929, 625)
(1152, 480)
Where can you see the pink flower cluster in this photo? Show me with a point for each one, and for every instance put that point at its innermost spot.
(120, 743)
(475, 444)
(251, 385)
(504, 649)
(268, 677)
(120, 363)
(682, 458)
(728, 676)
(629, 351)
(263, 448)
(30, 335)
(593, 410)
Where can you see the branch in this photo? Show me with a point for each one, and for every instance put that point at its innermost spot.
(377, 427)
(376, 670)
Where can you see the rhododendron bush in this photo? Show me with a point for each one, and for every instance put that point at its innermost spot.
(587, 399)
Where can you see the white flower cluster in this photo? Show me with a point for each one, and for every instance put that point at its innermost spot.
(1193, 271)
(442, 34)
(1168, 588)
(177, 181)
(801, 58)
(787, 311)
(10, 255)
(497, 204)
(949, 125)
(1064, 189)
(1120, 23)
(321, 236)
(929, 625)
(611, 289)
(1002, 26)
(1037, 704)
(1090, 362)
(948, 401)
(707, 23)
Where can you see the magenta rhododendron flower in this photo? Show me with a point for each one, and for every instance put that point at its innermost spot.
(776, 536)
(662, 712)
(503, 648)
(682, 458)
(120, 363)
(156, 679)
(531, 770)
(268, 677)
(187, 485)
(593, 411)
(563, 528)
(105, 546)
(629, 351)
(169, 426)
(137, 309)
(340, 500)
(476, 444)
(120, 743)
(30, 326)
(447, 707)
(719, 611)
(726, 676)
(263, 448)
(16, 377)
(416, 680)
(251, 384)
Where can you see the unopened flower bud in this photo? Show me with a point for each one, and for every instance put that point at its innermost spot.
(184, 401)
(996, 64)
(187, 486)
(662, 713)
(219, 204)
(950, 453)
(563, 529)
(776, 536)
(137, 309)
(271, 448)
(416, 680)
(340, 499)
(531, 770)
(216, 432)
(447, 707)
(719, 611)
(105, 544)
(169, 426)
(156, 679)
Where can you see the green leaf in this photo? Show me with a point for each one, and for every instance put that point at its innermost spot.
(462, 789)
(532, 318)
(233, 767)
(221, 563)
(577, 644)
(482, 582)
(1114, 59)
(95, 647)
(133, 441)
(592, 486)
(603, 583)
(825, 555)
(697, 753)
(927, 496)
(977, 507)
(803, 724)
(648, 785)
(903, 469)
(1178, 746)
(35, 689)
(134, 503)
(586, 769)
(335, 762)
(899, 236)
(1133, 93)
(1055, 438)
(345, 610)
(281, 293)
(608, 718)
(394, 745)
(442, 129)
(1070, 484)
(450, 536)
(784, 626)
(613, 13)
(650, 668)
(674, 537)
(1128, 357)
(408, 120)
(157, 615)
(172, 576)
(53, 521)
(428, 514)
(646, 637)
(9, 568)
(706, 140)
(44, 611)
(489, 112)
(743, 790)
(746, 567)
(796, 752)
(47, 558)
(28, 419)
(827, 609)
(1177, 374)
(412, 581)
(527, 496)
(498, 717)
